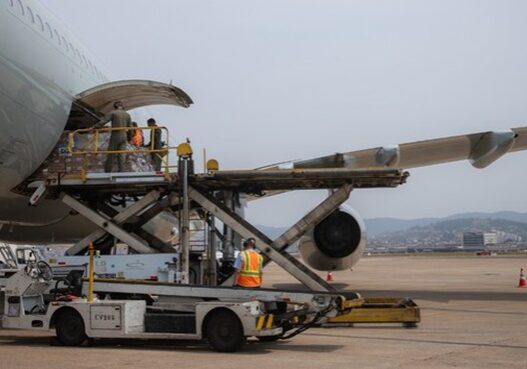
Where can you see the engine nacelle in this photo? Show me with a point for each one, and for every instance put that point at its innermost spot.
(336, 243)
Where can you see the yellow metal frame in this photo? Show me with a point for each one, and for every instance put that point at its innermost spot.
(163, 153)
(379, 310)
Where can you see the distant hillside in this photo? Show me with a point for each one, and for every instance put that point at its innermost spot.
(377, 226)
(450, 231)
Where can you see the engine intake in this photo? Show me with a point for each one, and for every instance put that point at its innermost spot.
(336, 243)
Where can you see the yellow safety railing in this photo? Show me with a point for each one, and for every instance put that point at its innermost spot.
(93, 145)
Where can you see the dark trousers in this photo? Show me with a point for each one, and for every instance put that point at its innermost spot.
(157, 161)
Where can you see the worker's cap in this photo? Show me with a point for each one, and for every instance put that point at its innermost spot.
(151, 121)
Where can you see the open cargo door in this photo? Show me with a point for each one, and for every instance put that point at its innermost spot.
(89, 106)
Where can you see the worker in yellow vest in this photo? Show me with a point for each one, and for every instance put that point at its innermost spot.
(248, 266)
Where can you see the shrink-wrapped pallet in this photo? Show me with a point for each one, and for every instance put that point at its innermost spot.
(62, 161)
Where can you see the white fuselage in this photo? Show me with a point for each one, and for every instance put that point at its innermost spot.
(42, 68)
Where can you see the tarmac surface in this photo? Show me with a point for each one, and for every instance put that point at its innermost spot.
(473, 316)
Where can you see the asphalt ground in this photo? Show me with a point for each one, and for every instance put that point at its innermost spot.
(473, 316)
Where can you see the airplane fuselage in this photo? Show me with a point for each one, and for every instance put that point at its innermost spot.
(42, 68)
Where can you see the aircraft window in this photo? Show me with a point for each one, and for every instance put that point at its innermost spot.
(65, 43)
(30, 13)
(58, 37)
(21, 7)
(39, 22)
(50, 32)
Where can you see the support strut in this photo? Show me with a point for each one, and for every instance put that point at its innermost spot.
(308, 221)
(294, 267)
(107, 225)
(119, 219)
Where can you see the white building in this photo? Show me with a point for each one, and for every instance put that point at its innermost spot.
(490, 238)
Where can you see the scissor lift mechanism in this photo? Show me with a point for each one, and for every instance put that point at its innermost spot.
(158, 192)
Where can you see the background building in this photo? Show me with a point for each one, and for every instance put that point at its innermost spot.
(473, 240)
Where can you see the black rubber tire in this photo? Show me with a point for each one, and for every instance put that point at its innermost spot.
(268, 338)
(224, 331)
(70, 329)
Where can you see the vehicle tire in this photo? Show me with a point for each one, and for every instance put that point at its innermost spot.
(70, 329)
(268, 338)
(225, 332)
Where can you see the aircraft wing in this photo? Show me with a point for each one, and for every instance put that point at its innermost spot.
(480, 149)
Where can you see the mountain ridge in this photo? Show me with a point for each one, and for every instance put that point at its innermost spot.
(377, 226)
(450, 232)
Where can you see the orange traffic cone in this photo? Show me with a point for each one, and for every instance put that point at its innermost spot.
(329, 277)
(523, 282)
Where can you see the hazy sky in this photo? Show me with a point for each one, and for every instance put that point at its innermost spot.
(280, 80)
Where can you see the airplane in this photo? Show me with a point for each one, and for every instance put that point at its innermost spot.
(49, 84)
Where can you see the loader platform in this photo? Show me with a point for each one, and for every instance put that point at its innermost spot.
(379, 310)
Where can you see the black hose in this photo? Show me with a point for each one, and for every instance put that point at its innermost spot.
(305, 327)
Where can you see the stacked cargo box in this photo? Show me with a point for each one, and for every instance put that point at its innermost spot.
(62, 161)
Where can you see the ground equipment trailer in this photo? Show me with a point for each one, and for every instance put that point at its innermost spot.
(223, 316)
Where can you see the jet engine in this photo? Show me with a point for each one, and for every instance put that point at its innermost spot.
(336, 243)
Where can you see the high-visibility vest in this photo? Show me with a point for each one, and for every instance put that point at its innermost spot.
(137, 138)
(251, 269)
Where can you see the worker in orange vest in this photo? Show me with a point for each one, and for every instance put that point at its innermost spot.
(136, 136)
(248, 266)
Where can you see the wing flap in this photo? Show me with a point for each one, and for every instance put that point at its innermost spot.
(481, 149)
(520, 143)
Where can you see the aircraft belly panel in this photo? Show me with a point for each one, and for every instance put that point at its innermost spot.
(57, 225)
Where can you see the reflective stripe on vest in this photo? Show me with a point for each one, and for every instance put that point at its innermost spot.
(251, 269)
